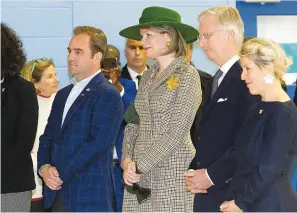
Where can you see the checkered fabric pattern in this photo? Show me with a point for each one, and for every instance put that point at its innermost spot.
(161, 145)
(82, 149)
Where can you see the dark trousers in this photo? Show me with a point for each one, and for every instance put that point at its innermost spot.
(58, 205)
(37, 206)
(119, 185)
(209, 202)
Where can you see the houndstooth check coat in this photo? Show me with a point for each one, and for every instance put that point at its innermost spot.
(161, 144)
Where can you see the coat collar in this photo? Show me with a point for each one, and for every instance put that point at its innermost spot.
(86, 92)
(233, 74)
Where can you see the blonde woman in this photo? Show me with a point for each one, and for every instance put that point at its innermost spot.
(267, 142)
(42, 73)
(166, 102)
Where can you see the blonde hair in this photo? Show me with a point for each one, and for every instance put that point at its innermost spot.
(266, 53)
(33, 70)
(98, 40)
(177, 44)
(229, 18)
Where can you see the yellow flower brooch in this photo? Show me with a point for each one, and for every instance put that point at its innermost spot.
(172, 82)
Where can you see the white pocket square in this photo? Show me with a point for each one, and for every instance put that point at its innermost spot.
(222, 100)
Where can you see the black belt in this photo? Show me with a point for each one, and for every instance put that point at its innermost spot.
(116, 163)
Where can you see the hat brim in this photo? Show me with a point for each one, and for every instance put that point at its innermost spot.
(188, 32)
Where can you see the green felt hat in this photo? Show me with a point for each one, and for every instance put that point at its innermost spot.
(154, 16)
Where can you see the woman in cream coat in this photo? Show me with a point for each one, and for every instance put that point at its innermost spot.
(158, 151)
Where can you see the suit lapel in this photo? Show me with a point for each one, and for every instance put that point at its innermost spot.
(233, 74)
(82, 97)
(125, 73)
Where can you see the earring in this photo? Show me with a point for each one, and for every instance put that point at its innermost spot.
(168, 44)
(269, 79)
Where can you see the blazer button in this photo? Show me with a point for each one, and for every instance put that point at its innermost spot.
(198, 163)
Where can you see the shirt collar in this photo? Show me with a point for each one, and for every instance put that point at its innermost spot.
(134, 74)
(84, 81)
(226, 67)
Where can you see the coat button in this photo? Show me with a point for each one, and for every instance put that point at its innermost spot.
(88, 89)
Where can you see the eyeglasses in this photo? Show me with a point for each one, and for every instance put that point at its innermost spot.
(207, 35)
(35, 62)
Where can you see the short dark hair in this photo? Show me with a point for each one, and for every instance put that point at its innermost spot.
(13, 57)
(98, 40)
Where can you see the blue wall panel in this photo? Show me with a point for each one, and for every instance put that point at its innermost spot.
(46, 26)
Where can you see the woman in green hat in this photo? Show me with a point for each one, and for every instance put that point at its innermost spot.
(157, 149)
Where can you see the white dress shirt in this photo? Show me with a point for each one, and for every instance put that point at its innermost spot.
(134, 75)
(225, 68)
(115, 155)
(76, 90)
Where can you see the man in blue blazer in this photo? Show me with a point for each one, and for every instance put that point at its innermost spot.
(225, 110)
(127, 90)
(75, 151)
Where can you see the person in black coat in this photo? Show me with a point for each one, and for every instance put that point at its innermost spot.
(205, 82)
(136, 61)
(266, 144)
(19, 116)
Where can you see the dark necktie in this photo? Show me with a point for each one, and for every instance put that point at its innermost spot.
(215, 82)
(139, 79)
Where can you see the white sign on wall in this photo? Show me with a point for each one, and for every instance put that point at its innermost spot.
(282, 29)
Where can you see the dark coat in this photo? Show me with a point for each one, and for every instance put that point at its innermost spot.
(19, 117)
(221, 118)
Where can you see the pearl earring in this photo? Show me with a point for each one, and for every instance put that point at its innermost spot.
(269, 79)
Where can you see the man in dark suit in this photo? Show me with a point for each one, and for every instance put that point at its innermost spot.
(136, 61)
(225, 111)
(127, 90)
(205, 81)
(75, 151)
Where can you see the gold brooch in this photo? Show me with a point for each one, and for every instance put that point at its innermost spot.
(172, 82)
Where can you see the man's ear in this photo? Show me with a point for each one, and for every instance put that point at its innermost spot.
(231, 35)
(98, 57)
